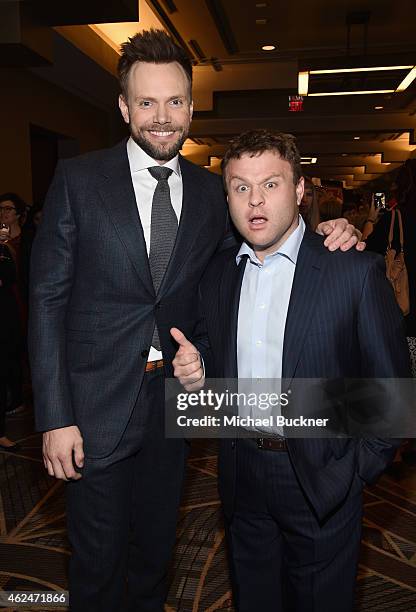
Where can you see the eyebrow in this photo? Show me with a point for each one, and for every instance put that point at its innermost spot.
(264, 180)
(151, 99)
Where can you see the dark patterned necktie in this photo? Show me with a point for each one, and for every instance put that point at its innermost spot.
(163, 230)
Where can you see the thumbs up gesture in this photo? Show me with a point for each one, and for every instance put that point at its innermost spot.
(187, 364)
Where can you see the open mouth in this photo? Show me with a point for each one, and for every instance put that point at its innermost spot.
(257, 222)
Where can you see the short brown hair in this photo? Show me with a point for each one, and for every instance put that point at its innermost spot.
(256, 142)
(154, 47)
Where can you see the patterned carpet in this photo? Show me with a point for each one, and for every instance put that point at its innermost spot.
(34, 549)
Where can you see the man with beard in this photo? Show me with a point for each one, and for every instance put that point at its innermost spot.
(125, 237)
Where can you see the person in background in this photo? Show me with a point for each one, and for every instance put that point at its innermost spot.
(350, 209)
(330, 206)
(377, 239)
(9, 341)
(12, 211)
(309, 207)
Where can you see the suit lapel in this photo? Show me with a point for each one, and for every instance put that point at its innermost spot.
(305, 290)
(117, 193)
(230, 290)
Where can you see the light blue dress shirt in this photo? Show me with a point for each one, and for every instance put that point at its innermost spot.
(264, 302)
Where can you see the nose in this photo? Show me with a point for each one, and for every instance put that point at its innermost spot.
(162, 114)
(256, 198)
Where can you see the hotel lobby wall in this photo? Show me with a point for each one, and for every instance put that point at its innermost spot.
(27, 99)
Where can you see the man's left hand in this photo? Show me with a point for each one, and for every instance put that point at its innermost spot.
(340, 235)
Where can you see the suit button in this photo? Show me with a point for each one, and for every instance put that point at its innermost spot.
(145, 353)
(233, 444)
(158, 305)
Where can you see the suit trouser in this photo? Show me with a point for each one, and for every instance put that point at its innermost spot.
(121, 515)
(281, 557)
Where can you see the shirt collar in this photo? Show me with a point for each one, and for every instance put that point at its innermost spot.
(139, 160)
(289, 249)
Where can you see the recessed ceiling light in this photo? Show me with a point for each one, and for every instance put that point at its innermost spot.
(357, 137)
(261, 21)
(386, 163)
(268, 47)
(344, 154)
(378, 107)
(261, 4)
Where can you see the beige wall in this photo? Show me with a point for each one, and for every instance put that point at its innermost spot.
(25, 98)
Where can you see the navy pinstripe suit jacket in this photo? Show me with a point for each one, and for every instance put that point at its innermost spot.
(343, 322)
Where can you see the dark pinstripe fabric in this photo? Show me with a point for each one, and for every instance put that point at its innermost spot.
(342, 321)
(303, 508)
(274, 533)
(125, 506)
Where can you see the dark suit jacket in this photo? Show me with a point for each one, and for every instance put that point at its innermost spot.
(342, 321)
(93, 306)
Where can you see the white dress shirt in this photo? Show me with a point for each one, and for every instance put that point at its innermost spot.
(264, 302)
(144, 187)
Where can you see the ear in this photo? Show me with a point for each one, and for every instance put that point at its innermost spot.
(300, 188)
(124, 109)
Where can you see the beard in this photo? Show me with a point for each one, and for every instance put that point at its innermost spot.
(160, 152)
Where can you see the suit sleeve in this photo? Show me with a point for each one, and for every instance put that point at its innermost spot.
(384, 355)
(52, 271)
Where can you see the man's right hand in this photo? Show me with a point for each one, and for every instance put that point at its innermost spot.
(58, 445)
(187, 364)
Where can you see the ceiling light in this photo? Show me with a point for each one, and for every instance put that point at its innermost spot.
(353, 93)
(378, 107)
(261, 21)
(386, 163)
(303, 83)
(308, 160)
(375, 69)
(357, 137)
(268, 47)
(407, 80)
(344, 154)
